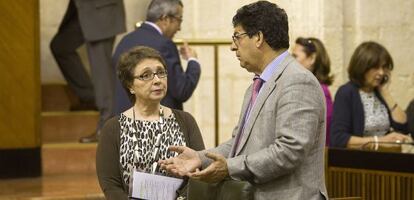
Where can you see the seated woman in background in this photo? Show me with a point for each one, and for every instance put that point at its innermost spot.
(364, 110)
(127, 141)
(311, 53)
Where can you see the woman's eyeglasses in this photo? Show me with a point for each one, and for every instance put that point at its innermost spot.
(147, 76)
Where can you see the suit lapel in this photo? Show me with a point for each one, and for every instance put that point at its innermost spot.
(245, 105)
(265, 92)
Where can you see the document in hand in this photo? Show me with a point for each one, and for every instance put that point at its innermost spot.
(153, 187)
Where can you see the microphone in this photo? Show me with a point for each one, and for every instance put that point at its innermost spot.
(156, 154)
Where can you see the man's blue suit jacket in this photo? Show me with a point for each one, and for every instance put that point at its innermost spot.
(181, 85)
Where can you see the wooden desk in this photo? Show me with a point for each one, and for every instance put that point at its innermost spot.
(370, 175)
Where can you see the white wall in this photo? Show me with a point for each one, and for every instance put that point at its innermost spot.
(340, 24)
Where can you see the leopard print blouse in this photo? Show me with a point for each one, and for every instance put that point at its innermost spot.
(141, 142)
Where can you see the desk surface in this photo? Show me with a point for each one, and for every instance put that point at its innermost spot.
(371, 160)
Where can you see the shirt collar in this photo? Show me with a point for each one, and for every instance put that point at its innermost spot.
(155, 26)
(272, 66)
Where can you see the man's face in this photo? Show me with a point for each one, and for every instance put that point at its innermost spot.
(174, 23)
(244, 47)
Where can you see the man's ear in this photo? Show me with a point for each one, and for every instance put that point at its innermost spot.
(259, 39)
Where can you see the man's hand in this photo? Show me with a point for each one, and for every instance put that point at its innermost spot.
(186, 162)
(215, 172)
(187, 52)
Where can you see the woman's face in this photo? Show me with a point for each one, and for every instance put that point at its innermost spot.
(374, 76)
(300, 55)
(147, 86)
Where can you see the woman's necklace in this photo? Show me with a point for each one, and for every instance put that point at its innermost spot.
(156, 149)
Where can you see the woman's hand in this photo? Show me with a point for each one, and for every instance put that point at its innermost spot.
(395, 137)
(383, 88)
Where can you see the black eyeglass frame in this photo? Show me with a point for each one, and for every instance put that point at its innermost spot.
(160, 74)
(236, 37)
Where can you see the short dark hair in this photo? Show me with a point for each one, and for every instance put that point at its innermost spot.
(366, 56)
(265, 17)
(160, 8)
(322, 65)
(129, 61)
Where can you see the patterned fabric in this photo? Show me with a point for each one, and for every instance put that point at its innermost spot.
(143, 140)
(376, 116)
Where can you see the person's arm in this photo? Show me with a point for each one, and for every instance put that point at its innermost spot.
(356, 142)
(194, 135)
(107, 162)
(342, 115)
(397, 113)
(329, 107)
(341, 131)
(181, 84)
(298, 122)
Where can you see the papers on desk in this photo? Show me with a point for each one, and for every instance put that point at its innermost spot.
(154, 187)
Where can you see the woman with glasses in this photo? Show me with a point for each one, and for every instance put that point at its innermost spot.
(311, 53)
(365, 114)
(128, 141)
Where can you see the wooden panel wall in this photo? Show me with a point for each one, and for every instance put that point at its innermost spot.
(369, 184)
(20, 75)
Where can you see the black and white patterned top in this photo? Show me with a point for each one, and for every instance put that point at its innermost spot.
(376, 115)
(142, 143)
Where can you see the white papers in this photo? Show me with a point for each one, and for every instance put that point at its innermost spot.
(154, 187)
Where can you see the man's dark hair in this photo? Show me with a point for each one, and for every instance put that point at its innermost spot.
(268, 18)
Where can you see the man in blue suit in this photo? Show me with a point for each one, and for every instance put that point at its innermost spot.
(163, 20)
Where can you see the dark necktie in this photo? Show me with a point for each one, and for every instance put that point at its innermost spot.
(257, 84)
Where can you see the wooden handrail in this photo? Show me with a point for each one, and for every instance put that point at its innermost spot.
(203, 42)
(215, 43)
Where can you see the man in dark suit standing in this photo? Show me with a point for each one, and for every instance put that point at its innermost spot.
(163, 20)
(94, 23)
